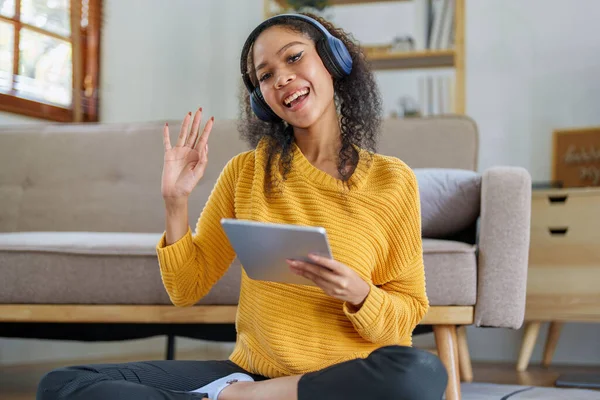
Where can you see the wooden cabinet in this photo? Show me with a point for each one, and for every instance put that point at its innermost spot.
(563, 282)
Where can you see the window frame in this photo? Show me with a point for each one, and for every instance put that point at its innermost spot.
(86, 68)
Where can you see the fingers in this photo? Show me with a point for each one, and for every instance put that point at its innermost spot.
(184, 130)
(321, 282)
(188, 137)
(203, 155)
(205, 134)
(166, 138)
(201, 165)
(319, 275)
(191, 139)
(326, 262)
(308, 269)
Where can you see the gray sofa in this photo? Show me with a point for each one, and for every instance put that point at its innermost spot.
(81, 212)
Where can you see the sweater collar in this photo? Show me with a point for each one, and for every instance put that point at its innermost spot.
(303, 167)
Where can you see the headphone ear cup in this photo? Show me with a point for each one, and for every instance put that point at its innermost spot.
(340, 54)
(328, 60)
(261, 108)
(335, 56)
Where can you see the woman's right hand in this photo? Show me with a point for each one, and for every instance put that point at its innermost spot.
(185, 163)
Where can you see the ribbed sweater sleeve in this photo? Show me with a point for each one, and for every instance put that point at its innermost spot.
(191, 266)
(398, 302)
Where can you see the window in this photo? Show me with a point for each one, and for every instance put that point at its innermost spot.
(49, 58)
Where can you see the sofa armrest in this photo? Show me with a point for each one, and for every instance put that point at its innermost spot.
(503, 241)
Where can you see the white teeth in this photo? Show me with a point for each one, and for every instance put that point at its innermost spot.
(295, 95)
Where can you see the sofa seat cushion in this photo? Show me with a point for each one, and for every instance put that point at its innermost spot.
(90, 243)
(91, 268)
(122, 268)
(450, 272)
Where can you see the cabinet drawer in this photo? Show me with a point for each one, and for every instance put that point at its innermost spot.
(574, 281)
(574, 216)
(568, 254)
(567, 233)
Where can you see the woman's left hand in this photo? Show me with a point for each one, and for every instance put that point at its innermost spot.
(336, 279)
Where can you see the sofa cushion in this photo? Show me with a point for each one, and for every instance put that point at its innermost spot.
(91, 243)
(102, 268)
(450, 272)
(450, 200)
(91, 268)
(106, 177)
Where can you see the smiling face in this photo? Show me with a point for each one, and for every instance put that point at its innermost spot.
(292, 78)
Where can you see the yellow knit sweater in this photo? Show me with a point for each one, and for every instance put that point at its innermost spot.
(374, 228)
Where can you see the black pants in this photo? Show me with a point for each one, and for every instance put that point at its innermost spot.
(392, 372)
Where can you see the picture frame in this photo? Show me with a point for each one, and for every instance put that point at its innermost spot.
(576, 157)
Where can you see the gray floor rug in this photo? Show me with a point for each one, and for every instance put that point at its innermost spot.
(488, 391)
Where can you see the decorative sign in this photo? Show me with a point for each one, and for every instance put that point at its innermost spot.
(577, 157)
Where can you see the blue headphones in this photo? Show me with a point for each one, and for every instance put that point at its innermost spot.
(333, 53)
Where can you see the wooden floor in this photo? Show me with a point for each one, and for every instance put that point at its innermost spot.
(20, 382)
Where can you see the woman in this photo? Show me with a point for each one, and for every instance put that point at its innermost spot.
(313, 163)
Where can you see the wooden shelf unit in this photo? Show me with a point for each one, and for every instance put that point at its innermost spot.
(419, 59)
(394, 60)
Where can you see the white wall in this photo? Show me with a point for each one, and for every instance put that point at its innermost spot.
(15, 119)
(178, 56)
(532, 67)
(529, 71)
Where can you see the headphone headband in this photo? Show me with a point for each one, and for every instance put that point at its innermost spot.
(258, 30)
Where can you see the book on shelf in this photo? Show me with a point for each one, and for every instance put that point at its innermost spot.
(435, 95)
(441, 23)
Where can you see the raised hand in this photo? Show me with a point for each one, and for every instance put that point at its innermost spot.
(185, 163)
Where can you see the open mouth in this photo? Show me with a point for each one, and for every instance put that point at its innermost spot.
(296, 98)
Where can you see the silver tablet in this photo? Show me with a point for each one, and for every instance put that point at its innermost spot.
(262, 248)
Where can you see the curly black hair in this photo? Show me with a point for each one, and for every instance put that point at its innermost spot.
(357, 100)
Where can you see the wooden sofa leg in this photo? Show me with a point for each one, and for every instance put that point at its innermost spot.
(551, 342)
(464, 357)
(532, 329)
(170, 352)
(447, 346)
